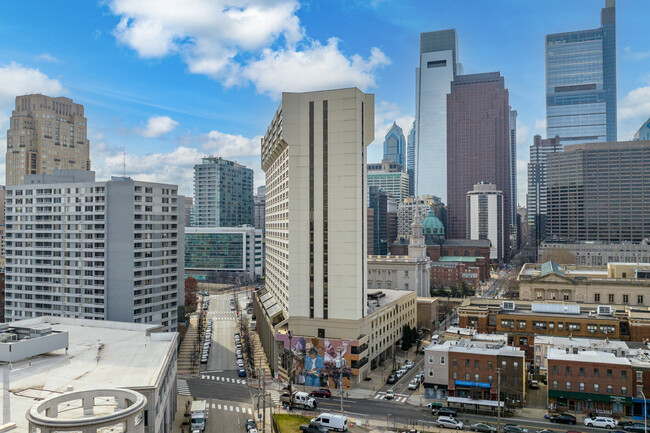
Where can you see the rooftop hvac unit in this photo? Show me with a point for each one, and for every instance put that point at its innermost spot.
(604, 310)
(508, 305)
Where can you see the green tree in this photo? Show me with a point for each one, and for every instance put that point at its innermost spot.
(191, 291)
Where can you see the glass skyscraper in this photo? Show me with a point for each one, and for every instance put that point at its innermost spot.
(581, 83)
(410, 160)
(394, 146)
(437, 69)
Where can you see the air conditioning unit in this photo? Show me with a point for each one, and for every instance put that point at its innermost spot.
(604, 310)
(508, 305)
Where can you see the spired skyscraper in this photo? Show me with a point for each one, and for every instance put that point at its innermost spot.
(433, 77)
(394, 146)
(581, 82)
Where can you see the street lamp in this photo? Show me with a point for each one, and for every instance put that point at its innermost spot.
(645, 413)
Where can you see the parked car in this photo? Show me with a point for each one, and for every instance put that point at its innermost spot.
(600, 421)
(390, 394)
(514, 429)
(534, 384)
(449, 422)
(323, 392)
(409, 364)
(312, 428)
(482, 427)
(392, 379)
(241, 372)
(399, 374)
(635, 427)
(414, 384)
(444, 411)
(563, 418)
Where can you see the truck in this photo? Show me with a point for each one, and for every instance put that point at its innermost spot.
(298, 399)
(198, 414)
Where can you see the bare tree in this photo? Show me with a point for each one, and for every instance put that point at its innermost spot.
(557, 255)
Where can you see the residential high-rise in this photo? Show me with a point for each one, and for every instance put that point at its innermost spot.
(437, 68)
(407, 209)
(394, 144)
(410, 160)
(45, 134)
(599, 192)
(189, 204)
(478, 146)
(536, 199)
(581, 82)
(390, 178)
(486, 219)
(223, 193)
(260, 206)
(513, 167)
(110, 250)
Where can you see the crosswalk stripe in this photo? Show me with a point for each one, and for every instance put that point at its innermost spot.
(182, 388)
(379, 396)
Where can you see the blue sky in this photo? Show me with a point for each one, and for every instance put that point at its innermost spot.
(169, 84)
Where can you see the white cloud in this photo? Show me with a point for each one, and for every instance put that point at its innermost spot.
(47, 57)
(16, 79)
(157, 126)
(523, 134)
(260, 41)
(635, 104)
(540, 125)
(640, 55)
(522, 181)
(318, 67)
(229, 146)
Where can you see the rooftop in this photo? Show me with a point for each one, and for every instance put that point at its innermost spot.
(101, 354)
(582, 343)
(590, 356)
(466, 243)
(378, 299)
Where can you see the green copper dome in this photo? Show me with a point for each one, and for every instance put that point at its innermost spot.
(431, 225)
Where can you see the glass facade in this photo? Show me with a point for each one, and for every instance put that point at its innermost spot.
(394, 146)
(581, 83)
(410, 160)
(215, 251)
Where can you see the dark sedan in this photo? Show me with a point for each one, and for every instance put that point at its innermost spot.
(321, 393)
(482, 427)
(636, 428)
(563, 418)
(392, 379)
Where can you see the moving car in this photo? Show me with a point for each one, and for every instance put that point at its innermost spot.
(444, 411)
(534, 384)
(482, 427)
(563, 418)
(414, 384)
(390, 394)
(600, 421)
(392, 379)
(449, 422)
(399, 373)
(321, 393)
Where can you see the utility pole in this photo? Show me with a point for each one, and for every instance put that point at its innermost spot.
(498, 399)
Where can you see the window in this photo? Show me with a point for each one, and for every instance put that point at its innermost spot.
(431, 372)
(466, 376)
(607, 329)
(321, 332)
(506, 323)
(430, 359)
(490, 378)
(476, 377)
(455, 375)
(624, 390)
(582, 371)
(610, 298)
(523, 341)
(639, 299)
(555, 369)
(538, 359)
(555, 384)
(596, 387)
(455, 362)
(568, 385)
(516, 364)
(521, 324)
(467, 363)
(596, 297)
(516, 380)
(568, 371)
(582, 386)
(551, 325)
(539, 325)
(639, 376)
(503, 364)
(489, 365)
(436, 64)
(573, 326)
(476, 363)
(596, 373)
(592, 329)
(560, 326)
(442, 360)
(610, 389)
(567, 297)
(609, 373)
(626, 299)
(623, 374)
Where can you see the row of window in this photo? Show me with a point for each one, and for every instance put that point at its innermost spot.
(569, 326)
(596, 372)
(581, 387)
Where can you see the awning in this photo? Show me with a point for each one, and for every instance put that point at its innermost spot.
(465, 400)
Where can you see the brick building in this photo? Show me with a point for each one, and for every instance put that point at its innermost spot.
(590, 381)
(451, 273)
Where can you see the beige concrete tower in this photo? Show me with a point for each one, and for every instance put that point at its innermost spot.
(314, 156)
(45, 134)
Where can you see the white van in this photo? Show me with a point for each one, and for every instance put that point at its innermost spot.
(332, 421)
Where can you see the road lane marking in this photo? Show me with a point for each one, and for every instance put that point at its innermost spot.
(378, 396)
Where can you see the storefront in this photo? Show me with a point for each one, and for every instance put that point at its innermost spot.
(600, 404)
(472, 390)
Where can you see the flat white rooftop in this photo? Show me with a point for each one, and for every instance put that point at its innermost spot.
(587, 356)
(101, 354)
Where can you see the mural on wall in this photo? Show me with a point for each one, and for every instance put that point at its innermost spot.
(315, 360)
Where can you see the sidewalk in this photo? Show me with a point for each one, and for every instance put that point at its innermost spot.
(187, 364)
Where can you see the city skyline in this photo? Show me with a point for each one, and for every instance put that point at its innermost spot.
(149, 100)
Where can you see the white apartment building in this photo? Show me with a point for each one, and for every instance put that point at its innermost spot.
(485, 218)
(407, 209)
(110, 250)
